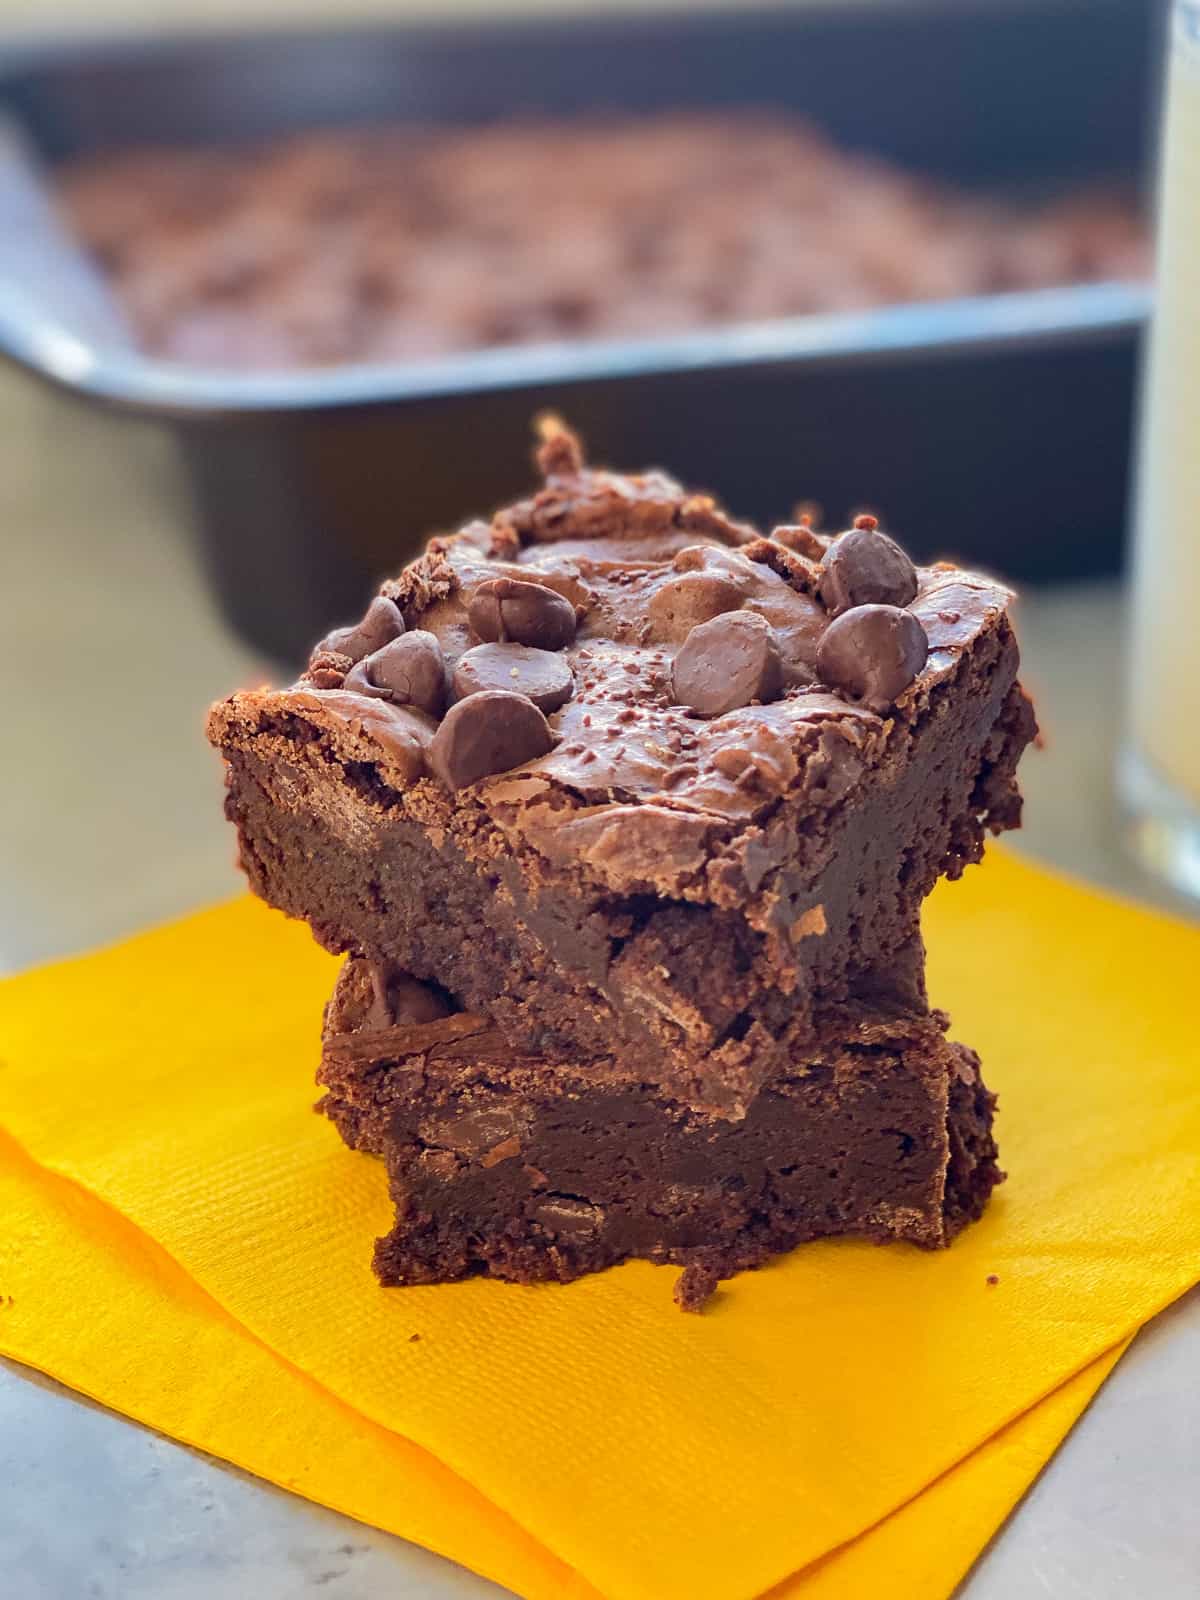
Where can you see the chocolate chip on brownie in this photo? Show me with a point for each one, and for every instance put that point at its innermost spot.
(726, 663)
(872, 653)
(383, 622)
(542, 675)
(410, 670)
(399, 998)
(506, 610)
(492, 730)
(864, 567)
(692, 598)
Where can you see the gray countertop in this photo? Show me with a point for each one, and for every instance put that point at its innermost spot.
(110, 820)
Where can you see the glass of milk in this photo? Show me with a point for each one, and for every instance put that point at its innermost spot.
(1160, 769)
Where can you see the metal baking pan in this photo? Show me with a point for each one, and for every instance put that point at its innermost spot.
(994, 429)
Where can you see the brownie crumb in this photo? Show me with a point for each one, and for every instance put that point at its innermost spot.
(559, 451)
(696, 1285)
(327, 669)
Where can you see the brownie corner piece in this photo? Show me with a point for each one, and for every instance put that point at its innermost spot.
(528, 1169)
(634, 781)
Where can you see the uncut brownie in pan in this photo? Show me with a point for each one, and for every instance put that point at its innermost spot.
(405, 244)
(529, 1169)
(636, 783)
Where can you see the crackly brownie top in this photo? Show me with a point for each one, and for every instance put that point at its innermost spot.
(615, 648)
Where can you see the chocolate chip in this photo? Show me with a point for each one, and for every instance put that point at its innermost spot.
(381, 623)
(541, 675)
(684, 602)
(872, 653)
(397, 997)
(505, 609)
(864, 567)
(476, 1131)
(727, 663)
(567, 1217)
(798, 622)
(414, 1002)
(491, 731)
(411, 670)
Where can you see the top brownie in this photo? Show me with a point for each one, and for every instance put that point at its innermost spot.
(638, 783)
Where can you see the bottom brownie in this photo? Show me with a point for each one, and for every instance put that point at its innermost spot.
(525, 1169)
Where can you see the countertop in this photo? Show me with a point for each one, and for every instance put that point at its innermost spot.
(110, 819)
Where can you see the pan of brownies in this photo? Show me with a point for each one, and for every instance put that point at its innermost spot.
(895, 255)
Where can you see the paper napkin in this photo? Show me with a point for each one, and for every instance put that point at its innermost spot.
(128, 1327)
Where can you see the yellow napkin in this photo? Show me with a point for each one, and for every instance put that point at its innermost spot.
(650, 1453)
(127, 1327)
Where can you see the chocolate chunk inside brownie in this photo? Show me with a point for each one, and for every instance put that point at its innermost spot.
(635, 782)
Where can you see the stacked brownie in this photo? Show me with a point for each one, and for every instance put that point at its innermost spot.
(625, 815)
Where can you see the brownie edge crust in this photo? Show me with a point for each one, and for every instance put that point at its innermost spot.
(528, 1169)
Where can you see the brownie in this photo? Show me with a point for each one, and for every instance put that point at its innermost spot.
(409, 244)
(526, 1168)
(636, 783)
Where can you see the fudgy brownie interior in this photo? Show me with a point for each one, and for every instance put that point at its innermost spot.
(529, 1169)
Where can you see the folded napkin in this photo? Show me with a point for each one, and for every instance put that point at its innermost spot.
(212, 1249)
(128, 1327)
